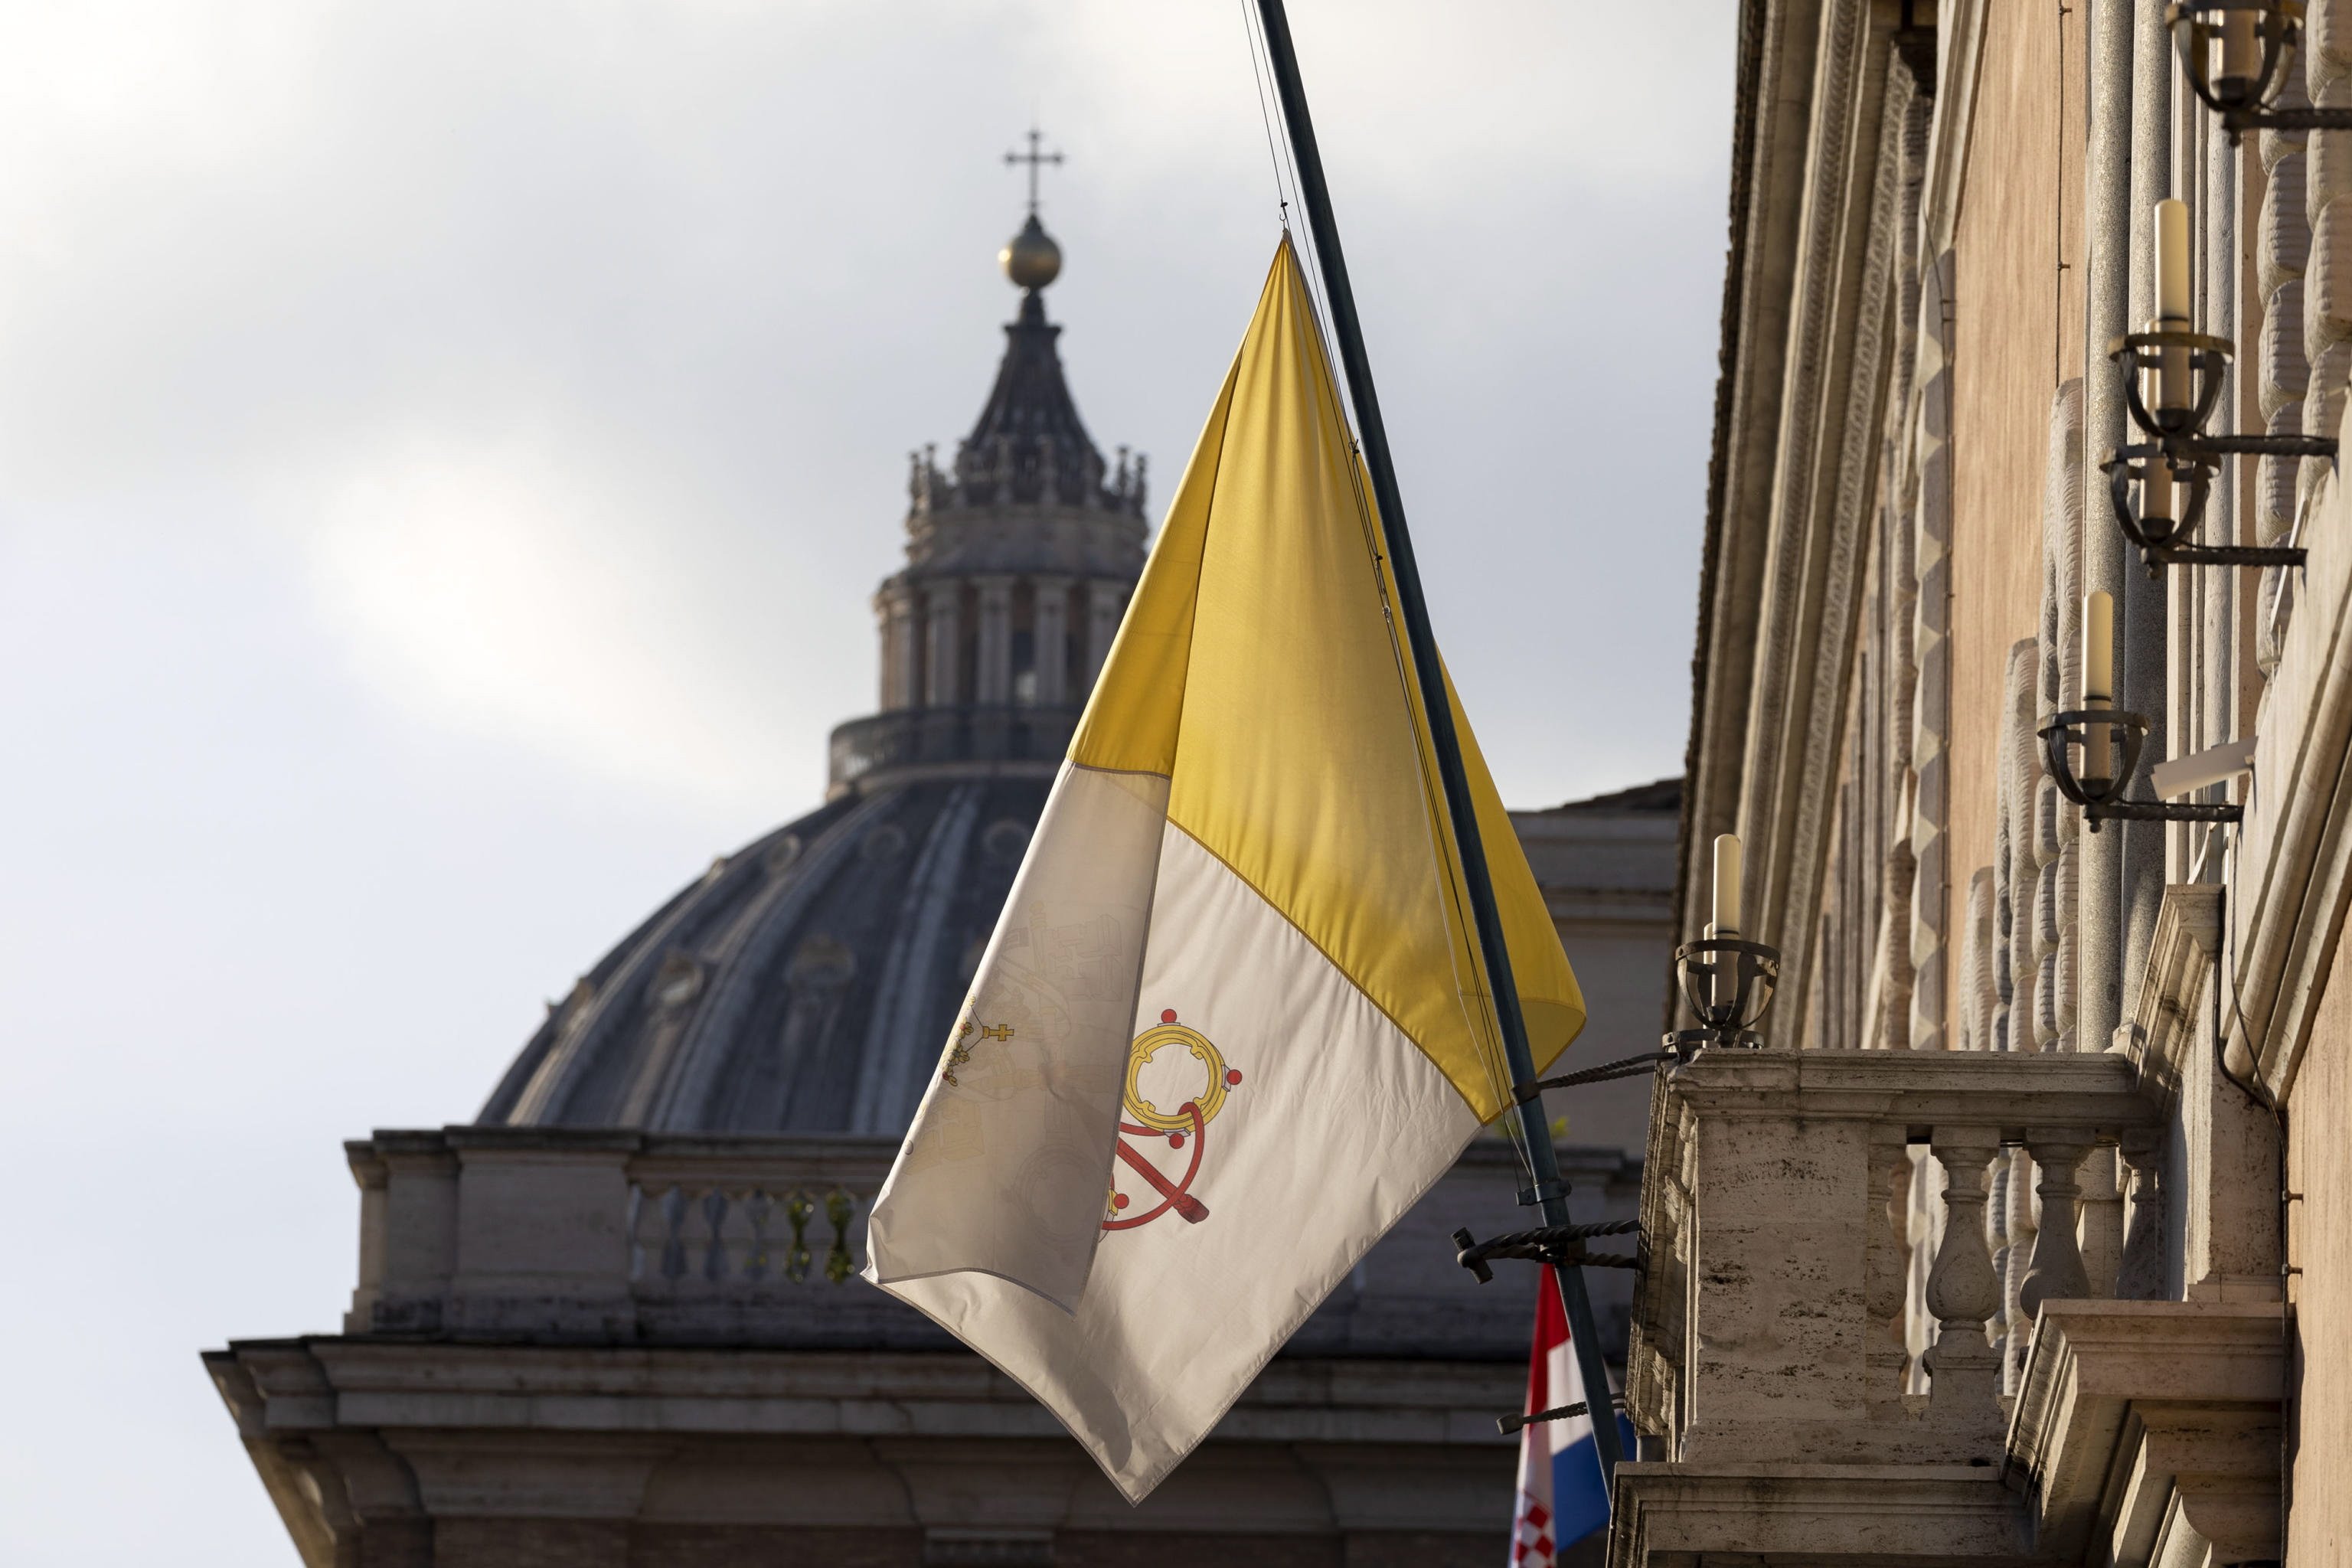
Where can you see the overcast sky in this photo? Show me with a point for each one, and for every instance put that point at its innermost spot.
(445, 453)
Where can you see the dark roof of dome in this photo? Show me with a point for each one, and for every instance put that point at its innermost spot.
(803, 984)
(1029, 444)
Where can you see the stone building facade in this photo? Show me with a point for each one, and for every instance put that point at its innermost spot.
(614, 1320)
(2027, 1237)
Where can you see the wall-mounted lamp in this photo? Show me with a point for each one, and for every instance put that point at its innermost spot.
(2172, 379)
(2100, 731)
(1727, 981)
(2234, 53)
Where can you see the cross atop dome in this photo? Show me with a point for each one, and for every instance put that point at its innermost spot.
(1034, 159)
(1031, 258)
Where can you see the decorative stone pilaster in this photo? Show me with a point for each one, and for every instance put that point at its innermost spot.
(902, 646)
(1050, 621)
(2283, 373)
(942, 674)
(992, 672)
(2056, 1272)
(1931, 652)
(1106, 602)
(1963, 1291)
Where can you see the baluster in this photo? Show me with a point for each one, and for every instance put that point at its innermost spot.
(1923, 1221)
(738, 1239)
(2023, 1223)
(759, 1260)
(1962, 1289)
(713, 1237)
(838, 1209)
(797, 1209)
(673, 1208)
(1998, 1237)
(2141, 1276)
(2057, 1274)
(1887, 1261)
(2102, 1224)
(645, 1232)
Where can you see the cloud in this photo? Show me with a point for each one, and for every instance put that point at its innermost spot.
(634, 307)
(529, 589)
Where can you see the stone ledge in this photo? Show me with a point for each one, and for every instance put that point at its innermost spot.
(327, 1384)
(2007, 1090)
(1946, 1516)
(2109, 1387)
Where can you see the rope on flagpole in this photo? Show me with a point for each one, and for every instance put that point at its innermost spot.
(1561, 1245)
(1626, 1067)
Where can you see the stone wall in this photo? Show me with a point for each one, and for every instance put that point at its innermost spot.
(2017, 331)
(2319, 1242)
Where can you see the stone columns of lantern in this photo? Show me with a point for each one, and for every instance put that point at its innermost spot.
(1105, 600)
(1051, 623)
(942, 687)
(992, 680)
(902, 645)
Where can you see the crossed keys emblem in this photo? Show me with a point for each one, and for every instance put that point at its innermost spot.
(1181, 1128)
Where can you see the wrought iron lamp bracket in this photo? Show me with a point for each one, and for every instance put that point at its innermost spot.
(2098, 797)
(2208, 356)
(2243, 102)
(2171, 545)
(1728, 984)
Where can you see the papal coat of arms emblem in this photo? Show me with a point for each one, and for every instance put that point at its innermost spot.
(1184, 1132)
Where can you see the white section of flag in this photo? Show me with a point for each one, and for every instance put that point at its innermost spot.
(1337, 1125)
(1008, 1153)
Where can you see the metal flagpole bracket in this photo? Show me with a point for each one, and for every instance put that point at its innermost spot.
(1557, 1245)
(1429, 674)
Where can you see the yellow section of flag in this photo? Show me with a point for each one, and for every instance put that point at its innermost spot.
(1261, 669)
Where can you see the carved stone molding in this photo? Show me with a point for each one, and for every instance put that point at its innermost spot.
(2180, 1400)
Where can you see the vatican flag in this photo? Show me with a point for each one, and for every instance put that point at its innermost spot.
(1232, 1021)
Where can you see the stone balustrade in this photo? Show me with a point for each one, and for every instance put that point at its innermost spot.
(600, 1236)
(1788, 1274)
(561, 1233)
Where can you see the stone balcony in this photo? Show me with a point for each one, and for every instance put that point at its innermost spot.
(1859, 1339)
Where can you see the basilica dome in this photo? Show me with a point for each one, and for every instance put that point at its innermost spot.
(805, 982)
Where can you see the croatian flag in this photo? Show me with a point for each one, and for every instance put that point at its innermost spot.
(1561, 1498)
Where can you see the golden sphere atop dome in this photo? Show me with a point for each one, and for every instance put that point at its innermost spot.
(1031, 258)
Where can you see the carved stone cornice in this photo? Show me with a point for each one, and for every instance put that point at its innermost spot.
(2132, 1409)
(2007, 1091)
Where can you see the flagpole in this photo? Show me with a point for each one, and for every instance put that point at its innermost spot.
(1550, 1190)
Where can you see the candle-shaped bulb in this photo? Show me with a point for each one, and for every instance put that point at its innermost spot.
(2173, 262)
(1727, 884)
(2241, 53)
(2098, 682)
(2098, 649)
